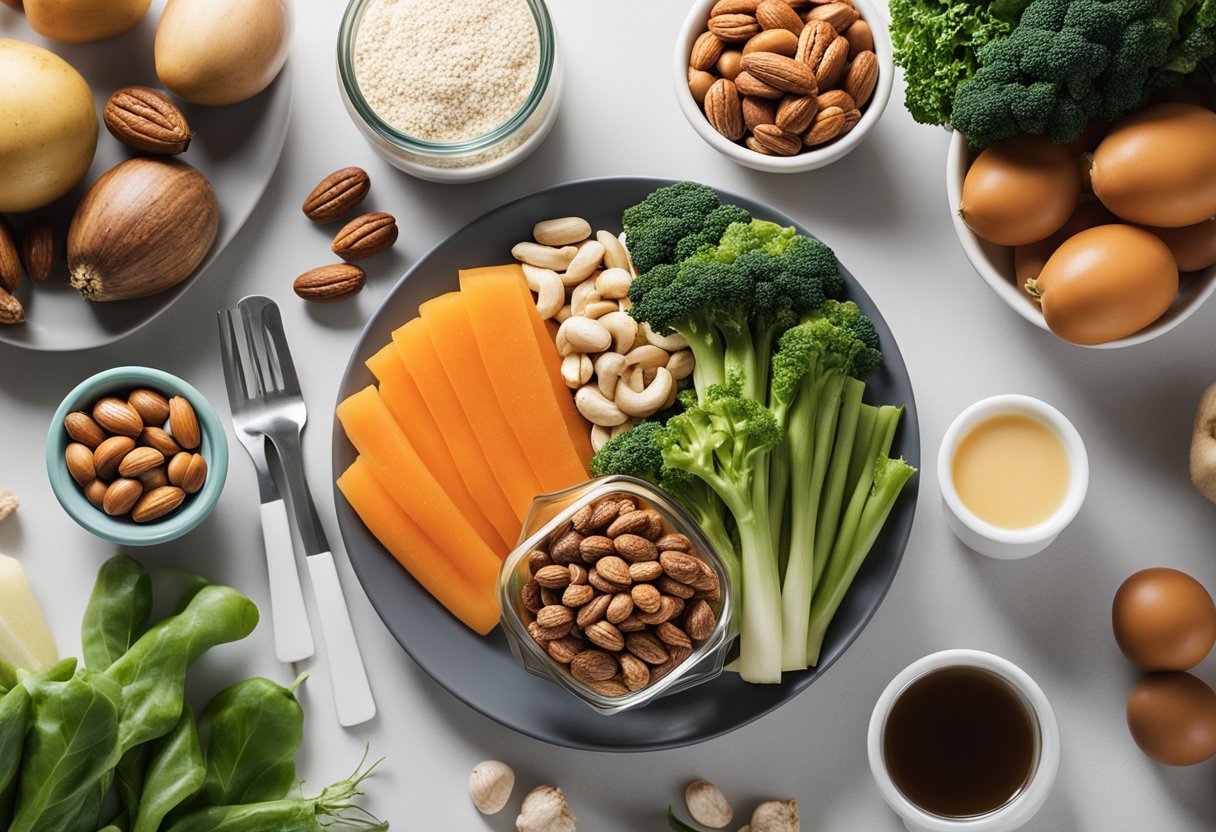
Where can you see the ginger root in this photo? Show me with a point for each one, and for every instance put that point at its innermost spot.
(1203, 446)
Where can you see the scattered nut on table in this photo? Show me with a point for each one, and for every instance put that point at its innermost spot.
(707, 805)
(490, 786)
(545, 810)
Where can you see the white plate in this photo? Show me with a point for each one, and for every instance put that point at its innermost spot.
(237, 148)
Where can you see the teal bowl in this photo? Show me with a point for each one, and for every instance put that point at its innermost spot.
(123, 530)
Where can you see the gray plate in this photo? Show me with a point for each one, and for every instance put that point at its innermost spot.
(236, 148)
(481, 671)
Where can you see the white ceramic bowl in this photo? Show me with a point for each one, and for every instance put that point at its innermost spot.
(995, 265)
(1019, 810)
(994, 541)
(695, 24)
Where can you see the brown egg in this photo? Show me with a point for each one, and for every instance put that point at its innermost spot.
(1106, 283)
(1163, 620)
(1020, 190)
(1172, 717)
(1194, 246)
(1158, 166)
(1029, 260)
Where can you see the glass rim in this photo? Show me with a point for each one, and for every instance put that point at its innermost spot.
(351, 20)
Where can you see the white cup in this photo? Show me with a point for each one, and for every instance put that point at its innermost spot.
(995, 541)
(1016, 812)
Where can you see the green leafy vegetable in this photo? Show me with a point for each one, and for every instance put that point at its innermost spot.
(117, 613)
(677, 824)
(14, 722)
(936, 42)
(175, 772)
(1194, 50)
(129, 777)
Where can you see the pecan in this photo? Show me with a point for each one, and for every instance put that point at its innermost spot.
(147, 120)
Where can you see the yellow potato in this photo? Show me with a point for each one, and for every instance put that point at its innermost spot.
(84, 21)
(49, 130)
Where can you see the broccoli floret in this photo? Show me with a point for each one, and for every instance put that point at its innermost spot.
(847, 315)
(1194, 51)
(1066, 62)
(716, 223)
(656, 227)
(633, 453)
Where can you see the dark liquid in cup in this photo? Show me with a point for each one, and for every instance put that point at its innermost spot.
(960, 742)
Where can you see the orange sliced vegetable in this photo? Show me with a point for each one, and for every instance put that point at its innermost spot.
(405, 403)
(454, 347)
(502, 311)
(472, 601)
(372, 430)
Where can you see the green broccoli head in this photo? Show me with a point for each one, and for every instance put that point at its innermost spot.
(656, 227)
(848, 316)
(715, 225)
(634, 453)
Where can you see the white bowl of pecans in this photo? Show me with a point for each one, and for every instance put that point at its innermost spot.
(616, 595)
(783, 87)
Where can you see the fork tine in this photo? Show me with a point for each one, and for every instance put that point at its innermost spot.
(234, 371)
(273, 321)
(253, 337)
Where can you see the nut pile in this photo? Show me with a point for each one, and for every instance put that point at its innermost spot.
(365, 236)
(620, 371)
(618, 597)
(783, 76)
(125, 460)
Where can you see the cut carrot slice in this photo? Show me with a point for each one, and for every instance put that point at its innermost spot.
(446, 322)
(404, 402)
(473, 602)
(372, 430)
(501, 310)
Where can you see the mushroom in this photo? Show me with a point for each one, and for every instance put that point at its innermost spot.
(707, 805)
(490, 785)
(775, 816)
(545, 810)
(1203, 446)
(650, 399)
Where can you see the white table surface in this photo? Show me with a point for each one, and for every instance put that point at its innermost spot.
(883, 209)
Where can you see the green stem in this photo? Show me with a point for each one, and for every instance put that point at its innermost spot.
(858, 460)
(833, 494)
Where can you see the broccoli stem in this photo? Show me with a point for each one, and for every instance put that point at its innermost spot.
(858, 460)
(708, 365)
(760, 629)
(842, 453)
(740, 360)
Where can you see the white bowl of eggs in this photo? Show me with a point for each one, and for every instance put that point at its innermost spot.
(1108, 241)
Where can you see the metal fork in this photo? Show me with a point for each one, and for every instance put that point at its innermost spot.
(274, 410)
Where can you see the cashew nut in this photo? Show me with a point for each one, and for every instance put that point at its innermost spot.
(599, 309)
(576, 370)
(648, 401)
(626, 304)
(608, 369)
(671, 398)
(585, 335)
(562, 231)
(624, 330)
(633, 270)
(613, 283)
(583, 294)
(563, 314)
(597, 409)
(550, 293)
(647, 356)
(672, 343)
(544, 257)
(615, 256)
(590, 255)
(599, 437)
(559, 340)
(680, 364)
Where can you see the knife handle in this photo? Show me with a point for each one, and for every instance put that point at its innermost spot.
(289, 618)
(348, 677)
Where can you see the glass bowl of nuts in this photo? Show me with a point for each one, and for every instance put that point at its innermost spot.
(136, 456)
(615, 594)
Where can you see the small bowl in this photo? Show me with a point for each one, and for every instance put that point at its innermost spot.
(470, 160)
(995, 265)
(1021, 808)
(694, 25)
(551, 511)
(995, 541)
(123, 530)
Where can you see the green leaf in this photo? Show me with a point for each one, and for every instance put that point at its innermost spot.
(14, 723)
(129, 777)
(117, 613)
(175, 772)
(677, 824)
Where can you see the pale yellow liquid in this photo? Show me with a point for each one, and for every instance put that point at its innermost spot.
(1011, 471)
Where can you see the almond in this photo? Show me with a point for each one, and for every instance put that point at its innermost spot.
(121, 496)
(734, 7)
(777, 14)
(529, 596)
(862, 76)
(751, 144)
(140, 460)
(330, 284)
(79, 460)
(603, 584)
(670, 586)
(538, 559)
(700, 621)
(634, 549)
(610, 688)
(593, 666)
(781, 72)
(671, 635)
(81, 427)
(860, 38)
(645, 571)
(110, 453)
(707, 581)
(814, 41)
(779, 142)
(757, 111)
(95, 493)
(699, 83)
(706, 50)
(830, 68)
(544, 634)
(578, 574)
(161, 440)
(556, 615)
(576, 595)
(632, 624)
(117, 417)
(614, 569)
(603, 634)
(680, 566)
(566, 549)
(593, 611)
(11, 310)
(795, 114)
(724, 110)
(730, 64)
(337, 194)
(827, 126)
(39, 248)
(597, 518)
(156, 478)
(563, 650)
(634, 672)
(733, 28)
(10, 260)
(779, 41)
(646, 647)
(669, 608)
(157, 503)
(152, 407)
(553, 577)
(851, 117)
(146, 120)
(619, 608)
(647, 523)
(183, 423)
(836, 98)
(592, 548)
(366, 236)
(839, 16)
(195, 475)
(646, 597)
